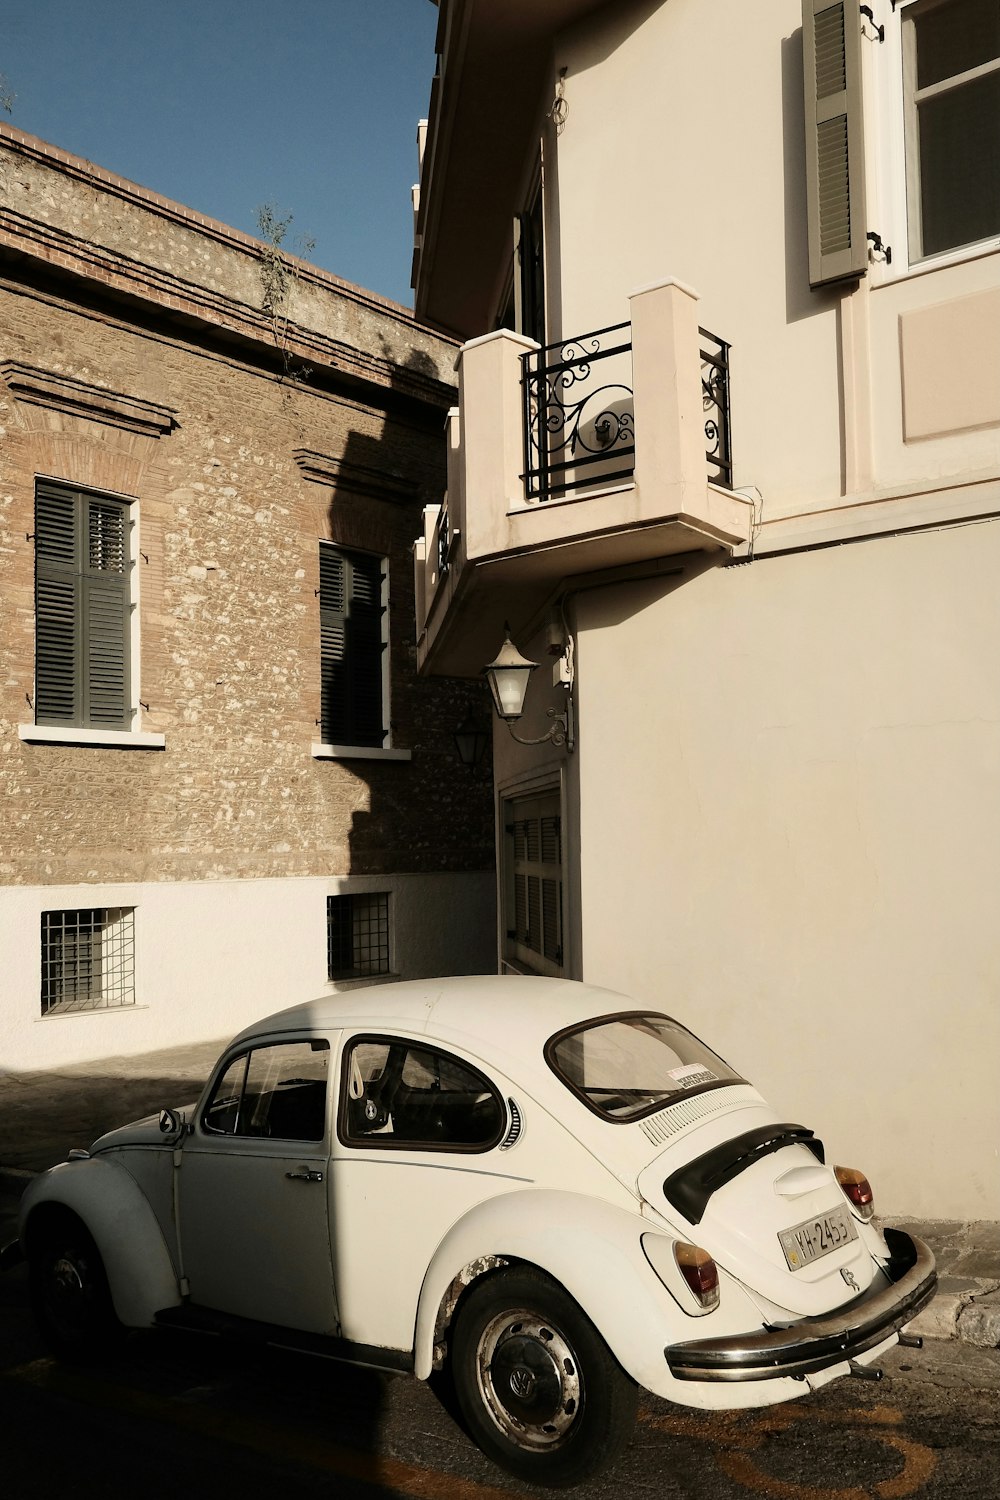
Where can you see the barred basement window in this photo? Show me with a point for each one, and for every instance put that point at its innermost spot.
(357, 935)
(88, 959)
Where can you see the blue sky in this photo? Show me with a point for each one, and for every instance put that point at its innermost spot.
(309, 105)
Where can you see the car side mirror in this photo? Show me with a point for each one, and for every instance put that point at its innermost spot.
(171, 1122)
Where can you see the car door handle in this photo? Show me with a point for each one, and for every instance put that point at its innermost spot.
(306, 1176)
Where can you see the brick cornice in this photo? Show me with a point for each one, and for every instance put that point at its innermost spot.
(111, 269)
(358, 478)
(65, 393)
(43, 152)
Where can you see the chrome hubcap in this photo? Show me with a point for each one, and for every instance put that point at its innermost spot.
(529, 1379)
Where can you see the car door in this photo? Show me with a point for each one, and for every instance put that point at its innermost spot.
(253, 1220)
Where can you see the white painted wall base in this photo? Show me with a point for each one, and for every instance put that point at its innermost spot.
(212, 956)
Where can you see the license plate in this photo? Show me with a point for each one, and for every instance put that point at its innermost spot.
(816, 1237)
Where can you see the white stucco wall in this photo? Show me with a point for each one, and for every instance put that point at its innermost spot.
(790, 837)
(681, 153)
(212, 956)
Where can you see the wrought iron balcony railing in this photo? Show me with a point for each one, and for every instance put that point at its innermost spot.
(715, 400)
(579, 426)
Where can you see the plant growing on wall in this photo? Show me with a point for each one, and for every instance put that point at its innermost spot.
(278, 277)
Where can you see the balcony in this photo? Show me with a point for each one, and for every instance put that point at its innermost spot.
(599, 452)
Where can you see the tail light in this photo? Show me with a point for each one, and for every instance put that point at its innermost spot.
(857, 1190)
(700, 1272)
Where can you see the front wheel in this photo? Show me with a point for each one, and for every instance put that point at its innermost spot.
(540, 1390)
(69, 1292)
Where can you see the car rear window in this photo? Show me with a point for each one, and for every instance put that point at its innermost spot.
(629, 1065)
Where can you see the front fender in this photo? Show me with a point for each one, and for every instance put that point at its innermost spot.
(593, 1249)
(108, 1201)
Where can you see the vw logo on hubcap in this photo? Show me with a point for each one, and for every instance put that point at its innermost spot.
(522, 1382)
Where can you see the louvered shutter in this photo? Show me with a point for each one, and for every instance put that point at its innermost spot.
(104, 649)
(835, 167)
(81, 609)
(352, 648)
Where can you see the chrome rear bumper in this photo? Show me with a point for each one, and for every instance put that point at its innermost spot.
(816, 1343)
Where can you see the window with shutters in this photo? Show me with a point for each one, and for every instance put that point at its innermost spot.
(83, 575)
(951, 107)
(533, 883)
(353, 600)
(88, 959)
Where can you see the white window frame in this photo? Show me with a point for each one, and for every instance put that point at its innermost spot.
(892, 161)
(135, 738)
(324, 750)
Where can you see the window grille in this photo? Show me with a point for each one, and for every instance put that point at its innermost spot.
(88, 959)
(357, 935)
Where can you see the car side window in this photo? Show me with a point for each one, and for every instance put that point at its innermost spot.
(276, 1091)
(398, 1094)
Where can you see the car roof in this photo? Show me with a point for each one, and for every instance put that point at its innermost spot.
(492, 1015)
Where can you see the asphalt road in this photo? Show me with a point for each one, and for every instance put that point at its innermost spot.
(178, 1414)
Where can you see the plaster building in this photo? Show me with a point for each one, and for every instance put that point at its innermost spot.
(223, 787)
(726, 456)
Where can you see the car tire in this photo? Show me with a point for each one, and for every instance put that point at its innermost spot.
(539, 1389)
(70, 1295)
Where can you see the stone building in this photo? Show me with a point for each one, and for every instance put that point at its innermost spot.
(223, 786)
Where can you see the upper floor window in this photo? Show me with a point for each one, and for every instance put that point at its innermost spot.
(353, 601)
(951, 100)
(523, 308)
(83, 601)
(933, 137)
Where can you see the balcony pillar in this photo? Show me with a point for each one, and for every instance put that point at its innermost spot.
(492, 436)
(669, 414)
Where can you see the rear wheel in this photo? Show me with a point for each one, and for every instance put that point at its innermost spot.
(70, 1293)
(541, 1392)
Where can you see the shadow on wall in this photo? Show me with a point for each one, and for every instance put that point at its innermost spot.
(800, 300)
(429, 814)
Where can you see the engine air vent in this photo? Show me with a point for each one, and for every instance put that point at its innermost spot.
(659, 1128)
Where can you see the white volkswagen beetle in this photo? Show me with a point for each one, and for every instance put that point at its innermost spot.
(556, 1195)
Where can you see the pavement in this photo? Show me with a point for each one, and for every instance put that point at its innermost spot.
(44, 1114)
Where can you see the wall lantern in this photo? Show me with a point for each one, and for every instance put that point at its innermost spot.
(508, 677)
(471, 740)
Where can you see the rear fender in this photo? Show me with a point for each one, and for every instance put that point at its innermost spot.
(108, 1202)
(593, 1249)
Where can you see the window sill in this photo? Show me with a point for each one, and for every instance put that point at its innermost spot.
(357, 752)
(121, 739)
(96, 1010)
(361, 981)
